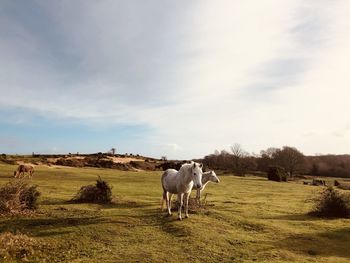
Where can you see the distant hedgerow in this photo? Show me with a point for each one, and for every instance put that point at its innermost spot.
(101, 192)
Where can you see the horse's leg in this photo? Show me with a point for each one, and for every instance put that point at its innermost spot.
(168, 203)
(163, 199)
(187, 196)
(170, 196)
(180, 199)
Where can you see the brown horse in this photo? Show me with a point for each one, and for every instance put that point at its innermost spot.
(24, 168)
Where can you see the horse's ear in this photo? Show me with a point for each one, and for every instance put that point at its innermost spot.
(194, 165)
(201, 165)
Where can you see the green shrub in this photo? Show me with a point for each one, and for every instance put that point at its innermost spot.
(18, 197)
(276, 173)
(101, 192)
(332, 203)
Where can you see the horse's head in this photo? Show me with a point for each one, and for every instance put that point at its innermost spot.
(213, 177)
(197, 174)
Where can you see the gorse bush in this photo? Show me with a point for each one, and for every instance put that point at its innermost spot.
(276, 173)
(332, 203)
(18, 197)
(101, 192)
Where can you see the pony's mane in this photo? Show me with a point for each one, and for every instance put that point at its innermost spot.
(185, 166)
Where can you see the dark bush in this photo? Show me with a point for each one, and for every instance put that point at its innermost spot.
(276, 173)
(101, 192)
(332, 203)
(18, 197)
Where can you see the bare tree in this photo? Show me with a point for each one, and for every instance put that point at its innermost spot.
(164, 158)
(238, 154)
(290, 159)
(112, 151)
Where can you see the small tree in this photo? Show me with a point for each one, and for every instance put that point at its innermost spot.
(113, 150)
(276, 173)
(164, 158)
(238, 154)
(290, 159)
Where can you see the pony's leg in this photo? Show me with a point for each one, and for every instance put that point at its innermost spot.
(168, 203)
(187, 196)
(163, 199)
(170, 197)
(180, 199)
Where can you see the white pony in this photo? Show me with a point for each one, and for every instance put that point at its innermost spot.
(181, 183)
(206, 178)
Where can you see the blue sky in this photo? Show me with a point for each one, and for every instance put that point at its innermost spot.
(175, 78)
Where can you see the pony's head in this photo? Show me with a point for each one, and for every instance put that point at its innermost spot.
(213, 177)
(196, 170)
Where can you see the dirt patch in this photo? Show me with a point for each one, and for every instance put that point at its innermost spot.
(123, 159)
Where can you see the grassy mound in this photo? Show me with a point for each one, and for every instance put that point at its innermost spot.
(101, 192)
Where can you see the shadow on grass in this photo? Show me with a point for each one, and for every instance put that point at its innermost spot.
(116, 203)
(300, 217)
(327, 243)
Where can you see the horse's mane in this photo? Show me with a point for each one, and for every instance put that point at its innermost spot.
(185, 166)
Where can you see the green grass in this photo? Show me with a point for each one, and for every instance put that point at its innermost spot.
(251, 219)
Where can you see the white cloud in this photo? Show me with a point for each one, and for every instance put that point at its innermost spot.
(201, 74)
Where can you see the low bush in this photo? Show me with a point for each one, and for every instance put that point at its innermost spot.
(342, 185)
(17, 197)
(101, 192)
(332, 203)
(276, 173)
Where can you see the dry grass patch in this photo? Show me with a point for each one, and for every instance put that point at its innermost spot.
(194, 206)
(17, 247)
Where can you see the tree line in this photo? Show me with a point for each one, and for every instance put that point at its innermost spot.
(293, 161)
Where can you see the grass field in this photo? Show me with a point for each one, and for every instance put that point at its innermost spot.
(249, 219)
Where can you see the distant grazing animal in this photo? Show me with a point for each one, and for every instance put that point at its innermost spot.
(181, 183)
(24, 168)
(206, 178)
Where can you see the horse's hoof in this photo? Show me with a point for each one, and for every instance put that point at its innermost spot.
(186, 216)
(179, 218)
(168, 215)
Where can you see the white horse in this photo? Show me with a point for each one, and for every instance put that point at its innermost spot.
(206, 178)
(181, 183)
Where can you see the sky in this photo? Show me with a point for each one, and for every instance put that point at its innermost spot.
(175, 78)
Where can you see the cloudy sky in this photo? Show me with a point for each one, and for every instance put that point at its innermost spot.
(175, 78)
